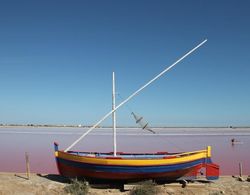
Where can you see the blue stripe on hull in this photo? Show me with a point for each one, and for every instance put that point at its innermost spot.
(131, 169)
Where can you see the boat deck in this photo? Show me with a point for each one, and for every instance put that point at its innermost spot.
(158, 155)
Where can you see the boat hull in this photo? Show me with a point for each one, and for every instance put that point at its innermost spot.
(72, 169)
(170, 167)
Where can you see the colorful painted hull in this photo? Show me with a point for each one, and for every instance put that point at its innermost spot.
(134, 167)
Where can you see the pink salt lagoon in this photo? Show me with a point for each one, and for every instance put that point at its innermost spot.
(38, 142)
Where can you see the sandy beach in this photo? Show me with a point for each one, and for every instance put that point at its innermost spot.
(18, 184)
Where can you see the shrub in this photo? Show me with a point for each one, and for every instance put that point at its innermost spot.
(145, 188)
(77, 187)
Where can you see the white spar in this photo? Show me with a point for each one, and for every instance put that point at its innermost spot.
(134, 94)
(114, 114)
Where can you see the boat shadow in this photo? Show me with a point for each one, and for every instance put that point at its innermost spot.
(98, 184)
(122, 186)
(55, 177)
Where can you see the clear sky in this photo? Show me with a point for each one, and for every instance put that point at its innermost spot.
(57, 58)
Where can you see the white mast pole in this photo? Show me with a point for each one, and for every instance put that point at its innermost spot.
(135, 93)
(114, 113)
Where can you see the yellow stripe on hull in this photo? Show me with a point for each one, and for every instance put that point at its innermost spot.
(180, 158)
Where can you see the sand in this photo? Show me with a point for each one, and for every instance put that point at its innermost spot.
(18, 184)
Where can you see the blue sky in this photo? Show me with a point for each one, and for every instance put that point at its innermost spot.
(57, 58)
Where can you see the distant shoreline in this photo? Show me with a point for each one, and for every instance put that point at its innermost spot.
(89, 126)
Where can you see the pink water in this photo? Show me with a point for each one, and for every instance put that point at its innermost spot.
(38, 142)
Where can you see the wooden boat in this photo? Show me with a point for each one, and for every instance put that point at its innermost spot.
(134, 167)
(117, 166)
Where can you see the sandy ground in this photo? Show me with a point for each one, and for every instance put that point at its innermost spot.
(18, 184)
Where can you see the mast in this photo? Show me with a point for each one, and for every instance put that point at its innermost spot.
(134, 94)
(114, 113)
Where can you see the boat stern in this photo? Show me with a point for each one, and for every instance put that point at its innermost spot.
(212, 170)
(207, 168)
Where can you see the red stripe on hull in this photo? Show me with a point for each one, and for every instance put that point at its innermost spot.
(70, 171)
